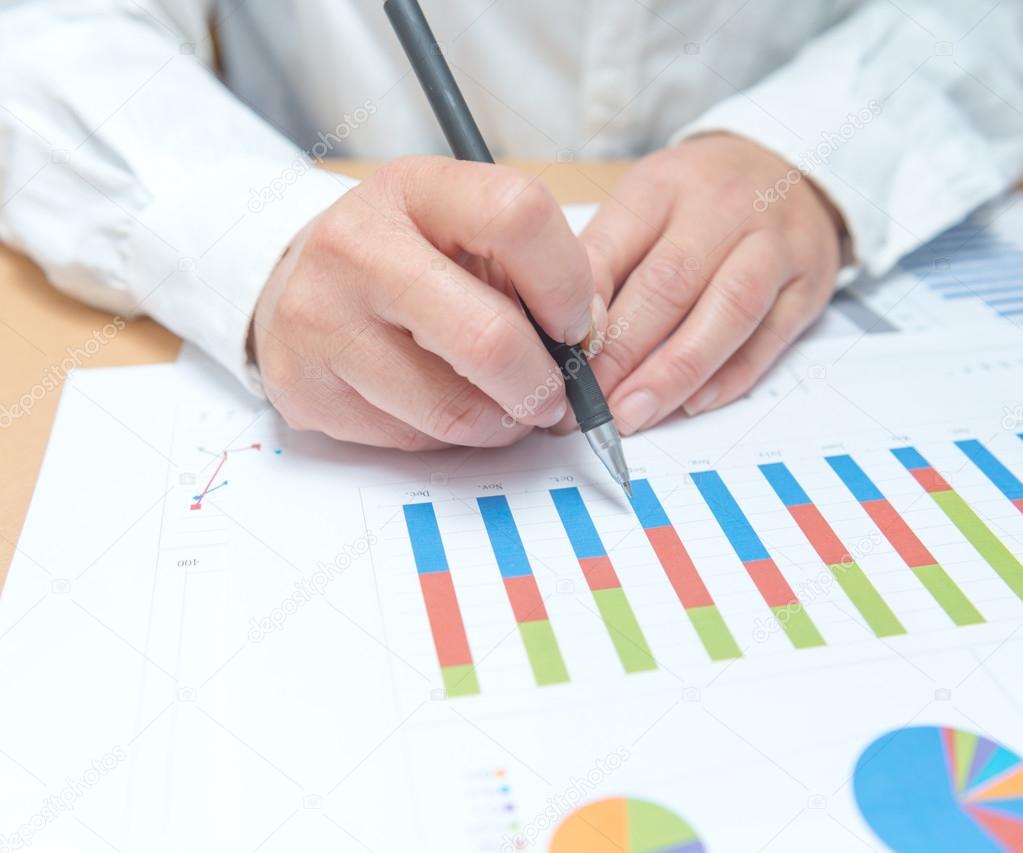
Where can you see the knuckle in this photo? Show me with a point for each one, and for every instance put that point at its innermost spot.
(492, 350)
(455, 416)
(394, 176)
(683, 367)
(668, 283)
(619, 356)
(521, 201)
(734, 193)
(743, 295)
(339, 242)
(402, 436)
(328, 236)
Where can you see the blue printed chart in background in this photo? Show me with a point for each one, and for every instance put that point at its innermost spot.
(941, 790)
(970, 261)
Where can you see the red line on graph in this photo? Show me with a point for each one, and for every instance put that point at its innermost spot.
(220, 464)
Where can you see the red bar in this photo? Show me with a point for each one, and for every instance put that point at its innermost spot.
(527, 605)
(930, 479)
(771, 583)
(819, 533)
(678, 566)
(445, 619)
(1018, 503)
(897, 532)
(599, 572)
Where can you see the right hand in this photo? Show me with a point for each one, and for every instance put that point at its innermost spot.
(391, 319)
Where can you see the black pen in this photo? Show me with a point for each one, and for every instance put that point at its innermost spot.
(584, 395)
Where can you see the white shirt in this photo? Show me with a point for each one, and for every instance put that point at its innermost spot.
(142, 183)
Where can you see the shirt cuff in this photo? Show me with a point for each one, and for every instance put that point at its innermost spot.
(899, 171)
(199, 256)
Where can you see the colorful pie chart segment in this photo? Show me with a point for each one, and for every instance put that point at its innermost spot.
(624, 825)
(941, 790)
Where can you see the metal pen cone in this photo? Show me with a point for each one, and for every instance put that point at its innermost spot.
(607, 445)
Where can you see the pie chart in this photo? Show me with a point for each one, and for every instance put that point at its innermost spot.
(941, 790)
(624, 825)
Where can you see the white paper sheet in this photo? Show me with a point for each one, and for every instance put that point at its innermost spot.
(260, 673)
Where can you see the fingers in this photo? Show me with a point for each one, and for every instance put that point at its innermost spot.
(329, 405)
(653, 301)
(481, 334)
(499, 213)
(622, 231)
(740, 294)
(797, 306)
(418, 388)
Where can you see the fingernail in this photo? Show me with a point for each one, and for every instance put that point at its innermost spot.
(594, 340)
(582, 328)
(635, 410)
(702, 399)
(550, 418)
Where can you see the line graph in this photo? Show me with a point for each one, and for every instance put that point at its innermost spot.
(197, 500)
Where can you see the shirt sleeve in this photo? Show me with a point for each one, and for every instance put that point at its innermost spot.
(135, 179)
(907, 116)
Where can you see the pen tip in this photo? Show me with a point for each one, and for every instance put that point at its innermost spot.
(627, 486)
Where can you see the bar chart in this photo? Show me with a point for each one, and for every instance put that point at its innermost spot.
(709, 560)
(970, 262)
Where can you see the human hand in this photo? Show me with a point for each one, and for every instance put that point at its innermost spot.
(391, 320)
(710, 280)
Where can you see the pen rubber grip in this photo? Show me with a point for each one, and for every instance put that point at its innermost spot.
(581, 388)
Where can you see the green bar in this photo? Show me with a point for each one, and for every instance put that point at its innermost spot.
(460, 680)
(544, 654)
(713, 632)
(948, 595)
(625, 632)
(798, 625)
(865, 598)
(980, 536)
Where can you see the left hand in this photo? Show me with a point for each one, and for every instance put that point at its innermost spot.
(713, 256)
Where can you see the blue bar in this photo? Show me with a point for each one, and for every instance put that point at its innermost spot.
(427, 548)
(984, 292)
(1007, 482)
(784, 484)
(578, 524)
(504, 536)
(910, 457)
(861, 486)
(732, 519)
(646, 506)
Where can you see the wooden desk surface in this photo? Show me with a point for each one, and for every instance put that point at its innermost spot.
(38, 324)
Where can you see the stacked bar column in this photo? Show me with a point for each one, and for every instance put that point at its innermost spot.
(979, 535)
(523, 595)
(769, 581)
(441, 602)
(614, 607)
(682, 574)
